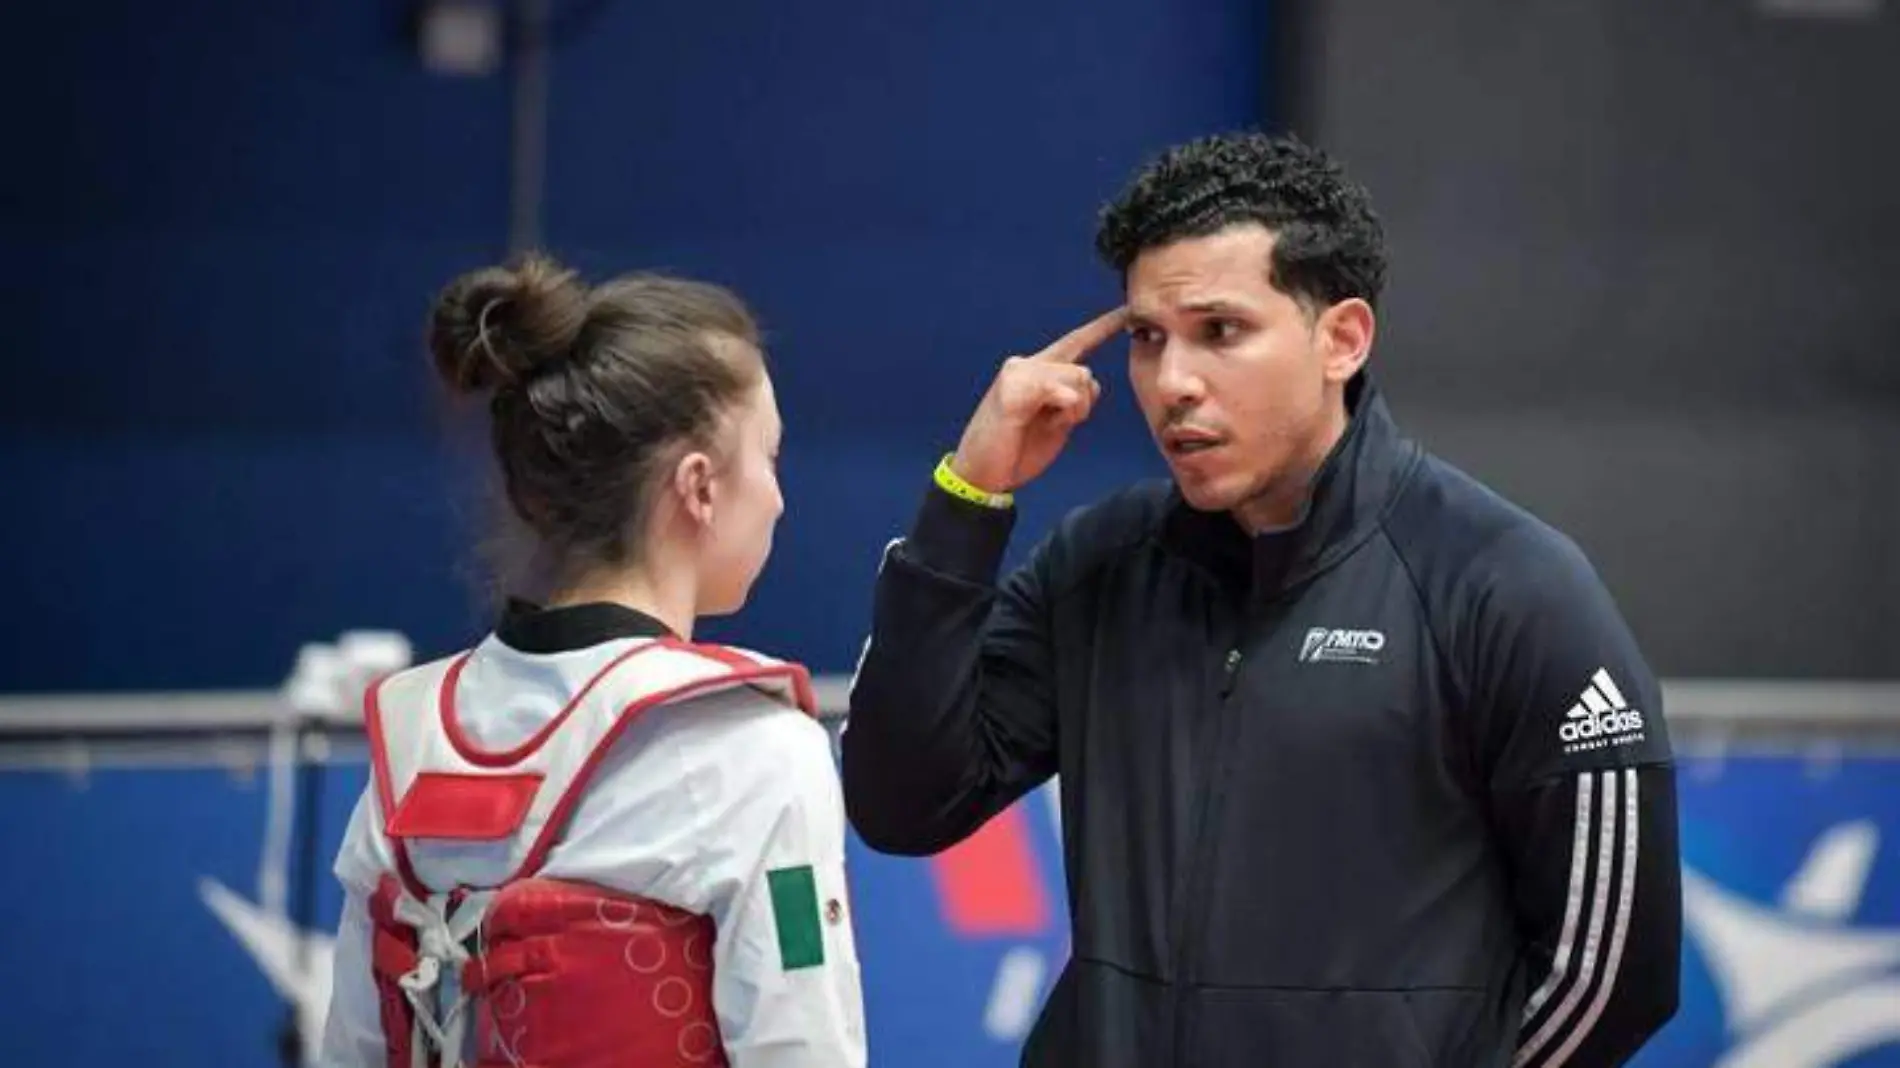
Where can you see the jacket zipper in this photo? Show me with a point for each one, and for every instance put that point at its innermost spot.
(1188, 915)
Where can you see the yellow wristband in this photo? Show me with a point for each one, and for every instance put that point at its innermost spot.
(953, 484)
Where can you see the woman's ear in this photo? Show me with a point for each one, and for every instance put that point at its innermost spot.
(693, 486)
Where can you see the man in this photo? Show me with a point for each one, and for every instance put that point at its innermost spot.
(1359, 763)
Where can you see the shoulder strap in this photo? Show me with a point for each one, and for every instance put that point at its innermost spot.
(434, 783)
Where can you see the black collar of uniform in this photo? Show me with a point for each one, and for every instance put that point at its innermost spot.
(531, 628)
(1350, 492)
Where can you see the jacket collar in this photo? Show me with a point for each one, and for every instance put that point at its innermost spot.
(531, 628)
(1350, 492)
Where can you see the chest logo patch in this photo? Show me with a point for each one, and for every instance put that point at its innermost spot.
(1329, 644)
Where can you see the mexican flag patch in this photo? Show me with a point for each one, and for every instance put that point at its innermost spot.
(801, 938)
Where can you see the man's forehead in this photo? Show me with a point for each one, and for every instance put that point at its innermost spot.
(1231, 270)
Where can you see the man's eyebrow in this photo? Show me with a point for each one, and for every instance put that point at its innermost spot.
(1216, 306)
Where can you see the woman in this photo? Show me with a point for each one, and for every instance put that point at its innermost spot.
(587, 840)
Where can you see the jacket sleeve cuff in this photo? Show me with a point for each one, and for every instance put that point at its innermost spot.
(960, 539)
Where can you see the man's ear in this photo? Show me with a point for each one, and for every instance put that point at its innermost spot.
(1345, 335)
(692, 485)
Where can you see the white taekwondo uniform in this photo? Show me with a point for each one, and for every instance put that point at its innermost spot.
(694, 781)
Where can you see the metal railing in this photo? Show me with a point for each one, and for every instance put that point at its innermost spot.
(84, 731)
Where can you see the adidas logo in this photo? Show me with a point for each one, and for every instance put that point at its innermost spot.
(1600, 718)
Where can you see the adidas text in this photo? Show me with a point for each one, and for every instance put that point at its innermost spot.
(1601, 726)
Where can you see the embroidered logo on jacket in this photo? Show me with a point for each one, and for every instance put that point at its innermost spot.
(1601, 718)
(1346, 646)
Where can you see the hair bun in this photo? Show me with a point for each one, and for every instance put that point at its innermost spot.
(497, 326)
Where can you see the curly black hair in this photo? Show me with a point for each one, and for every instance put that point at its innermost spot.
(1328, 247)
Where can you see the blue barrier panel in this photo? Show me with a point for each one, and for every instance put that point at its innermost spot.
(137, 932)
(1791, 916)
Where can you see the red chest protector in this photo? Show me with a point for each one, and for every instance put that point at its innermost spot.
(531, 970)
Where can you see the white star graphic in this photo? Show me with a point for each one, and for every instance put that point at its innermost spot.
(1800, 987)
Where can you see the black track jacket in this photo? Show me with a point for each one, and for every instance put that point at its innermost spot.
(1388, 788)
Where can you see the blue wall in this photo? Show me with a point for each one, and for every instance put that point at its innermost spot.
(221, 225)
(218, 432)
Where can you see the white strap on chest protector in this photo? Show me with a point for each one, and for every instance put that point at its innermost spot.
(434, 986)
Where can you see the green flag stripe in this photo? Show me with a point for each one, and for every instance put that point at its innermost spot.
(801, 939)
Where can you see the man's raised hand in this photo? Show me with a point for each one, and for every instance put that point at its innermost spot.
(1024, 420)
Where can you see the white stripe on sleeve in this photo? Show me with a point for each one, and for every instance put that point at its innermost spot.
(1594, 944)
(1625, 903)
(1573, 903)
